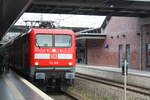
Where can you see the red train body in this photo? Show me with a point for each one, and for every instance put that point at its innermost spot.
(45, 54)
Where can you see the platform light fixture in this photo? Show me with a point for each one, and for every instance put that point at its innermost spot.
(138, 34)
(117, 36)
(147, 33)
(111, 37)
(123, 35)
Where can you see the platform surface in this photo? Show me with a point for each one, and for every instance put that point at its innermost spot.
(134, 77)
(115, 69)
(14, 87)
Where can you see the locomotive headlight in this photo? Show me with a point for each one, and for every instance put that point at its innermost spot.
(36, 63)
(70, 63)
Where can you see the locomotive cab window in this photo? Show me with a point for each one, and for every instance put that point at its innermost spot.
(43, 40)
(62, 40)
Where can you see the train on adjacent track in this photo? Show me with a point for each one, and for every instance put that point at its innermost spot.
(45, 54)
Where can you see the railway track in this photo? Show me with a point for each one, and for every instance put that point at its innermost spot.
(61, 96)
(131, 88)
(57, 94)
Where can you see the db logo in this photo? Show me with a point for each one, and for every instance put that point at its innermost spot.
(54, 56)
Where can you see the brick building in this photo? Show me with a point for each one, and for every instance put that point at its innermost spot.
(126, 37)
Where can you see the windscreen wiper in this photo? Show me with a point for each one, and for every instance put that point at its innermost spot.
(37, 44)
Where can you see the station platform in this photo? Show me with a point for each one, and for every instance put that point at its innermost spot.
(14, 87)
(134, 77)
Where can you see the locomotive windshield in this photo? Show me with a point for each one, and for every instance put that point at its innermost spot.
(44, 40)
(47, 40)
(62, 40)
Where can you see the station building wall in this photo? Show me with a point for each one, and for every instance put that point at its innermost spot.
(120, 31)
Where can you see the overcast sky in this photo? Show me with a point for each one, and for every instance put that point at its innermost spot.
(64, 19)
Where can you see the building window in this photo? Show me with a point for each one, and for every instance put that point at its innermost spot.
(128, 55)
(148, 55)
(120, 53)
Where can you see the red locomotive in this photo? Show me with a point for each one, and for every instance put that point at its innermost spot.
(45, 54)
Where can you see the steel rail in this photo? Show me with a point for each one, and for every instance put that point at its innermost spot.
(132, 88)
